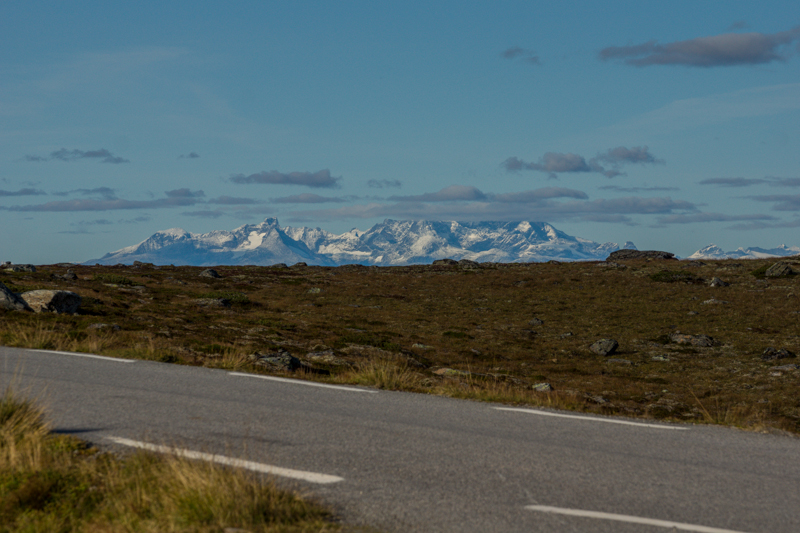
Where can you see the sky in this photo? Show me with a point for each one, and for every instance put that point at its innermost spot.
(670, 124)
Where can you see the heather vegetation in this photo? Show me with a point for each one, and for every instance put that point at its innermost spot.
(689, 350)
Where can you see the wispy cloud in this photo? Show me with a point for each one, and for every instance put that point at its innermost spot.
(694, 218)
(233, 200)
(104, 192)
(207, 213)
(23, 192)
(184, 193)
(782, 202)
(748, 182)
(322, 178)
(384, 184)
(452, 193)
(607, 163)
(176, 198)
(190, 155)
(732, 182)
(306, 198)
(636, 189)
(550, 204)
(103, 155)
(727, 49)
(525, 55)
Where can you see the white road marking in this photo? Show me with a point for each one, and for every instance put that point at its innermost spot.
(590, 418)
(115, 359)
(630, 519)
(301, 382)
(311, 477)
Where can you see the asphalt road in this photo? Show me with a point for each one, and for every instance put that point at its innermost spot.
(413, 462)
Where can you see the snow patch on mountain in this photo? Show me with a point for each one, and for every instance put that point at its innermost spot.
(392, 242)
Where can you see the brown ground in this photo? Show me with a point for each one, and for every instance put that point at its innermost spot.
(403, 327)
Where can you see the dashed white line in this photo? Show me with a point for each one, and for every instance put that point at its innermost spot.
(590, 418)
(311, 477)
(301, 382)
(629, 519)
(115, 359)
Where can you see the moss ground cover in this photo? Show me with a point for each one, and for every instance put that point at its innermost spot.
(465, 333)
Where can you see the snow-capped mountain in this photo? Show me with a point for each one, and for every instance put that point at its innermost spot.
(391, 242)
(713, 251)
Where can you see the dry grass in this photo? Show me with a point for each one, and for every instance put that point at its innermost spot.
(54, 483)
(395, 327)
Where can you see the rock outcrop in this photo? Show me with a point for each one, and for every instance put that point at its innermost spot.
(11, 301)
(604, 347)
(52, 301)
(622, 255)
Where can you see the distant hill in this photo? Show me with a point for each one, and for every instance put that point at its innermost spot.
(392, 242)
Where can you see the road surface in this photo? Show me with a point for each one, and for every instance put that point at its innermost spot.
(413, 462)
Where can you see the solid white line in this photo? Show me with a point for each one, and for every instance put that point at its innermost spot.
(311, 477)
(301, 382)
(590, 418)
(115, 359)
(630, 519)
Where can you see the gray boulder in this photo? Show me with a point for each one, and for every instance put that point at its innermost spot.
(542, 387)
(20, 268)
(716, 282)
(280, 360)
(779, 270)
(445, 262)
(467, 264)
(11, 301)
(209, 273)
(604, 347)
(52, 301)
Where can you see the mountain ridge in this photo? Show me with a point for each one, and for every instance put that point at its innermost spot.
(388, 243)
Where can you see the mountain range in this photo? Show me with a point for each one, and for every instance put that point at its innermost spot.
(713, 251)
(392, 242)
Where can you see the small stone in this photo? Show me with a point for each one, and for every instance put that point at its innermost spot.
(314, 290)
(536, 322)
(716, 282)
(209, 273)
(787, 367)
(565, 335)
(713, 301)
(112, 327)
(452, 372)
(213, 302)
(420, 346)
(52, 301)
(692, 313)
(604, 347)
(542, 387)
(702, 341)
(771, 354)
(660, 358)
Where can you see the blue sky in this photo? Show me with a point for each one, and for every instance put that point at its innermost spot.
(673, 125)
